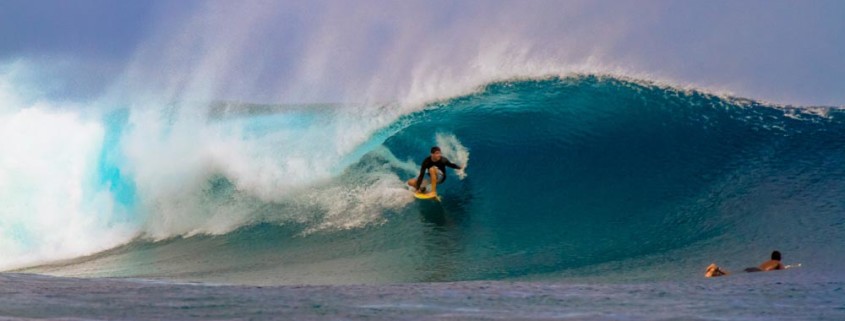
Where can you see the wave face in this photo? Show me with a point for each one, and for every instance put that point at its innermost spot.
(576, 176)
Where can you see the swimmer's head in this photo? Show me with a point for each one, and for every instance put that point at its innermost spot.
(776, 256)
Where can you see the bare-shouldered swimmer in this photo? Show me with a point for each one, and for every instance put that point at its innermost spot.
(772, 264)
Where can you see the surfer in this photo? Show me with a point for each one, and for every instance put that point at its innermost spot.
(774, 263)
(436, 165)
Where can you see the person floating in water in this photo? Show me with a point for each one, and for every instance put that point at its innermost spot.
(774, 263)
(436, 166)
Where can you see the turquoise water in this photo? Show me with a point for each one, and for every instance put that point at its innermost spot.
(581, 178)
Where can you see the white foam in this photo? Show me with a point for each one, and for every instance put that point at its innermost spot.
(174, 159)
(456, 152)
(354, 206)
(50, 204)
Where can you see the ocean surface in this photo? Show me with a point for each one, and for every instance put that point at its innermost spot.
(757, 296)
(584, 198)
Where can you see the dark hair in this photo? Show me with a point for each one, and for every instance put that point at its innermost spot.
(435, 149)
(776, 255)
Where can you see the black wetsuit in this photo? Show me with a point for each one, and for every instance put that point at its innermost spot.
(441, 165)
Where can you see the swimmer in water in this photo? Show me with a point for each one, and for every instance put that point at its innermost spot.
(774, 263)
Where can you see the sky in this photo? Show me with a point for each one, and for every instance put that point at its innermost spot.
(787, 52)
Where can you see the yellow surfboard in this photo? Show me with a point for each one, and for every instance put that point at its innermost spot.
(427, 196)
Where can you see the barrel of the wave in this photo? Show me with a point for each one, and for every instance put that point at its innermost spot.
(571, 173)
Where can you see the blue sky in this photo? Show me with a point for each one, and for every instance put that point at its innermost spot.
(273, 51)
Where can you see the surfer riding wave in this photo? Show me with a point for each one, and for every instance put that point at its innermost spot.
(436, 165)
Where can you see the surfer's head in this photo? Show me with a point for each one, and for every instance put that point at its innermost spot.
(435, 153)
(776, 256)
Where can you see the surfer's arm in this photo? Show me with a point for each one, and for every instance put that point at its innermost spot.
(452, 165)
(421, 176)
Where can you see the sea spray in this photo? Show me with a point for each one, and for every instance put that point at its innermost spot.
(458, 154)
(51, 204)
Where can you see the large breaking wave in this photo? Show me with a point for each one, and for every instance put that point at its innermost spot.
(563, 174)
